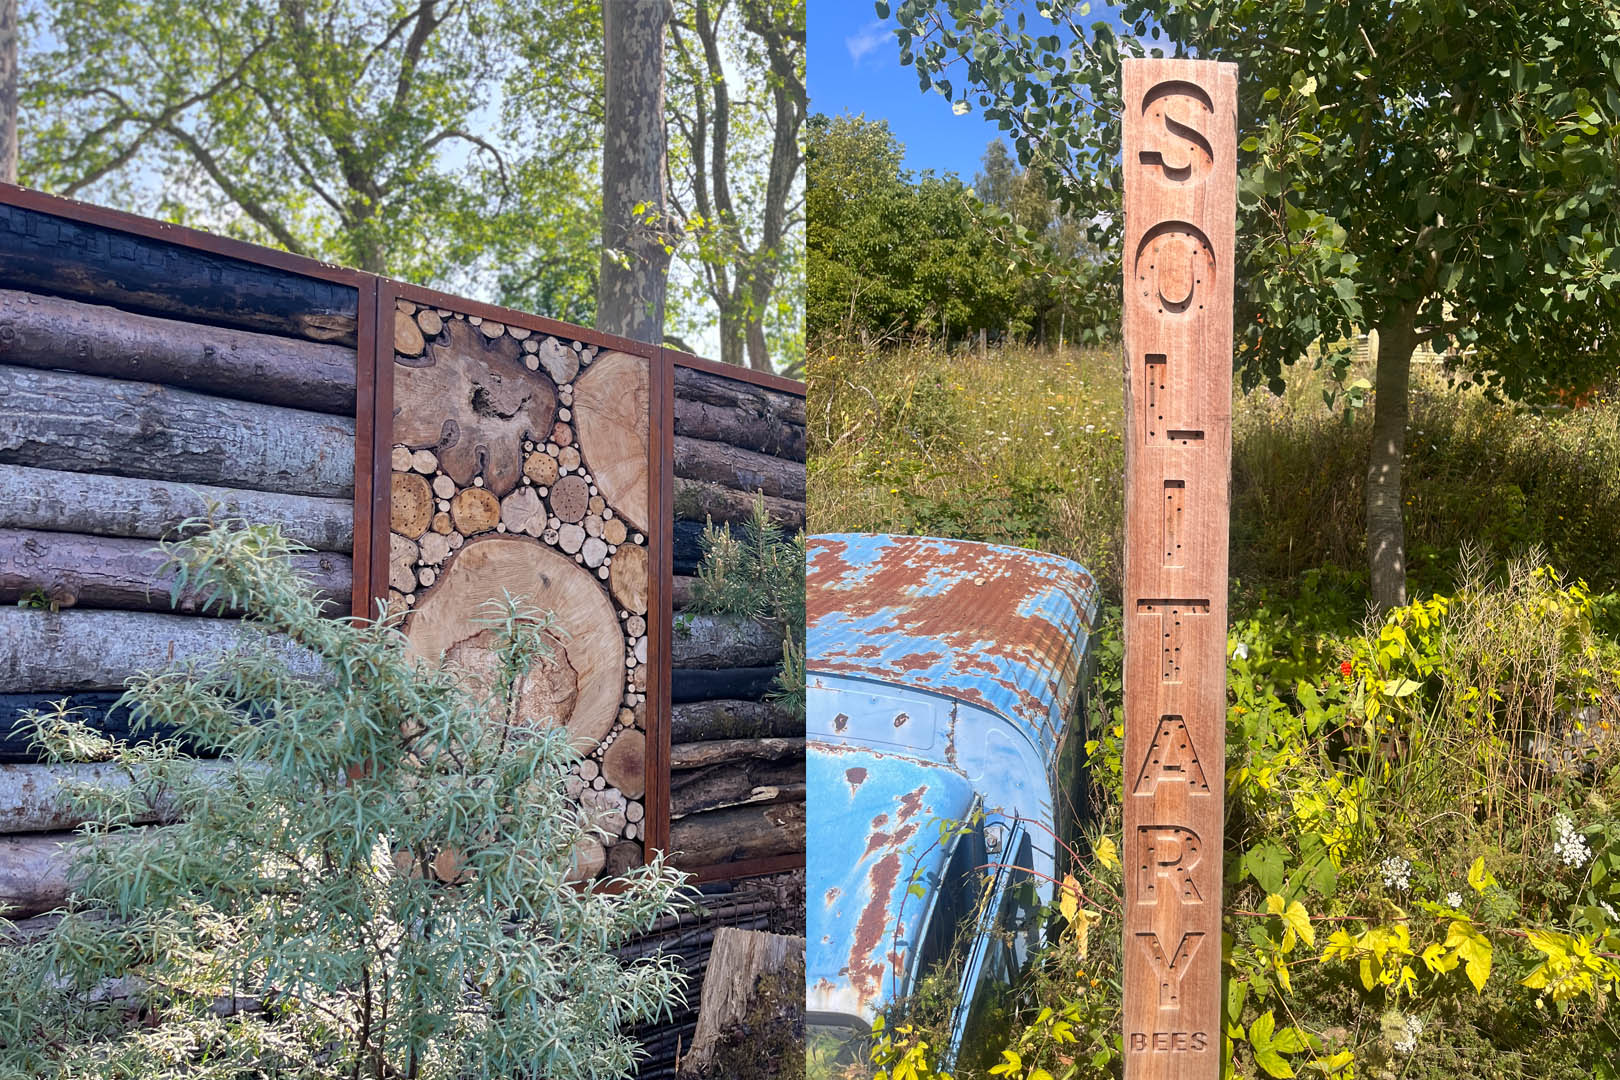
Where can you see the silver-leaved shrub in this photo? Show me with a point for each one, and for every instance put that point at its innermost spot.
(372, 880)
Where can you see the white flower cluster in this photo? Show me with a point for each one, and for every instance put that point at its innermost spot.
(1454, 899)
(1408, 1043)
(1607, 910)
(1396, 872)
(1570, 847)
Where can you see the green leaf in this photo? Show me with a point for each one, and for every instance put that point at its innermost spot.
(1269, 1060)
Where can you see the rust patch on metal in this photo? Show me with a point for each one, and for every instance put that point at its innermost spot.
(910, 803)
(856, 777)
(864, 975)
(901, 718)
(840, 722)
(993, 626)
(833, 894)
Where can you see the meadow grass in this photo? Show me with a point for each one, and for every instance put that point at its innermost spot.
(1024, 447)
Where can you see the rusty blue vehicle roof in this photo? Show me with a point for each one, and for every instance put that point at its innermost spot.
(865, 920)
(1001, 628)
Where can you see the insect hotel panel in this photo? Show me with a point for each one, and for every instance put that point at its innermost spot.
(520, 466)
(1180, 207)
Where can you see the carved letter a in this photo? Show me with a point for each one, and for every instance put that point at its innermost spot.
(1171, 756)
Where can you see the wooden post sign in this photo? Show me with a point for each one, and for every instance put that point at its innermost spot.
(1180, 145)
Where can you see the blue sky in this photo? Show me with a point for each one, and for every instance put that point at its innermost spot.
(854, 67)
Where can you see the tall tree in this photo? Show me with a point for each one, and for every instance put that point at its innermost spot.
(368, 132)
(739, 98)
(1435, 171)
(635, 249)
(8, 91)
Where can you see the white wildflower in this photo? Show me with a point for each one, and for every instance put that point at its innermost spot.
(1396, 872)
(1607, 910)
(1570, 847)
(1240, 651)
(1408, 1042)
(1454, 899)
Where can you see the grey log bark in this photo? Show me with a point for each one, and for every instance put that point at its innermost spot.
(34, 798)
(769, 407)
(681, 591)
(50, 332)
(33, 873)
(8, 91)
(71, 651)
(102, 505)
(698, 500)
(697, 721)
(749, 973)
(738, 832)
(728, 751)
(739, 413)
(69, 569)
(722, 641)
(635, 265)
(740, 784)
(1386, 524)
(85, 423)
(743, 470)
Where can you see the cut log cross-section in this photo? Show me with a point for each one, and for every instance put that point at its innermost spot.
(589, 659)
(611, 411)
(472, 402)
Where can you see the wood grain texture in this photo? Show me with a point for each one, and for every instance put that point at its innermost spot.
(721, 641)
(1180, 206)
(50, 332)
(736, 833)
(43, 252)
(471, 401)
(581, 686)
(86, 423)
(38, 798)
(741, 992)
(611, 412)
(102, 505)
(697, 500)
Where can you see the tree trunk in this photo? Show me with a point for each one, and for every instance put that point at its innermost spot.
(51, 332)
(99, 650)
(630, 295)
(723, 641)
(8, 91)
(750, 994)
(103, 505)
(85, 423)
(1386, 528)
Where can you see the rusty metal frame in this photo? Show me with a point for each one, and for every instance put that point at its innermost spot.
(374, 407)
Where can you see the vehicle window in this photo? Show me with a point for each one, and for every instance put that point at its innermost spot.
(956, 899)
(1009, 938)
(836, 1048)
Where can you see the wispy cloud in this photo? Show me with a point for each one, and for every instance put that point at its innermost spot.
(868, 39)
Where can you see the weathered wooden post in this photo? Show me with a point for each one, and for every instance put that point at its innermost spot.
(1180, 145)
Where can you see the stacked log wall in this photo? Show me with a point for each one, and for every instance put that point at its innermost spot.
(736, 758)
(144, 383)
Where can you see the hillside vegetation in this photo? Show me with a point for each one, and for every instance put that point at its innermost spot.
(1423, 843)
